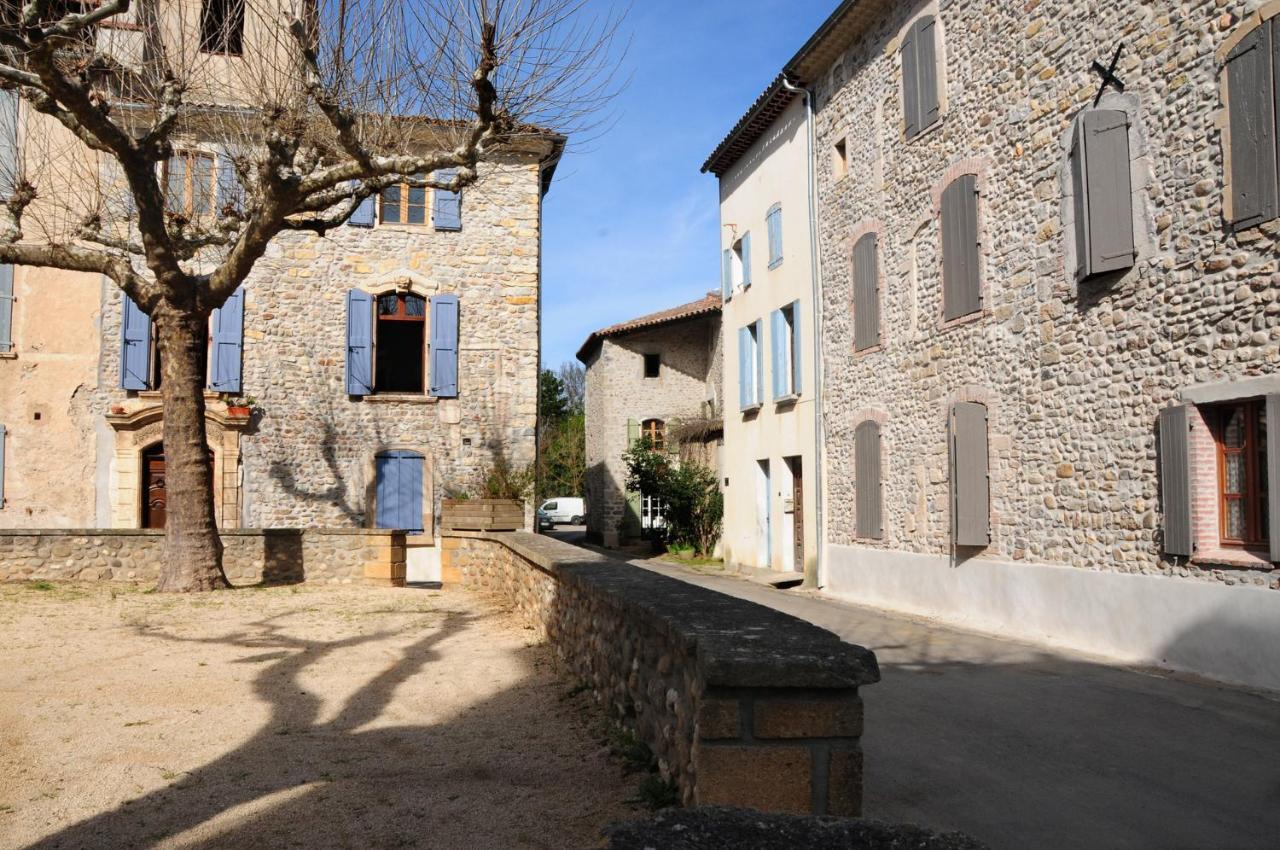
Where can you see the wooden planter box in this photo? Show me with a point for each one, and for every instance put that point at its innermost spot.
(481, 515)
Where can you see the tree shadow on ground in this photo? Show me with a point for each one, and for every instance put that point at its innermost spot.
(358, 778)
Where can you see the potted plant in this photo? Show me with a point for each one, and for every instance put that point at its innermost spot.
(241, 407)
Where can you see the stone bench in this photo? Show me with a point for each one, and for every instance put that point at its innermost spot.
(743, 705)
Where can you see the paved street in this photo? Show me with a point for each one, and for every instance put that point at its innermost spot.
(1021, 747)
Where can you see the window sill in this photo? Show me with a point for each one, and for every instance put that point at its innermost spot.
(773, 265)
(945, 324)
(924, 132)
(8, 355)
(399, 398)
(751, 409)
(786, 400)
(870, 349)
(1251, 559)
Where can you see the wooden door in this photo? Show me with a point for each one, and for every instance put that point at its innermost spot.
(797, 503)
(154, 493)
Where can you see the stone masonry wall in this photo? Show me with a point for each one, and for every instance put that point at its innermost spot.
(732, 721)
(1073, 377)
(276, 556)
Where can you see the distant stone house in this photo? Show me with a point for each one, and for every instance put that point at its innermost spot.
(657, 376)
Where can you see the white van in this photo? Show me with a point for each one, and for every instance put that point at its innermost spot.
(563, 510)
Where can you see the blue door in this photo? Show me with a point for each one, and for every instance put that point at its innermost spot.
(398, 490)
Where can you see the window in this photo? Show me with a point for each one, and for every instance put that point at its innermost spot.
(866, 293)
(2, 436)
(961, 283)
(400, 337)
(750, 367)
(1100, 181)
(970, 479)
(189, 184)
(446, 211)
(840, 159)
(404, 204)
(920, 105)
(774, 225)
(1240, 432)
(869, 499)
(786, 351)
(222, 27)
(652, 365)
(398, 491)
(6, 308)
(1252, 120)
(10, 162)
(140, 366)
(652, 513)
(655, 431)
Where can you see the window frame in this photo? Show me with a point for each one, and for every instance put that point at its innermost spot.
(189, 156)
(404, 204)
(223, 41)
(402, 316)
(1253, 495)
(655, 359)
(655, 430)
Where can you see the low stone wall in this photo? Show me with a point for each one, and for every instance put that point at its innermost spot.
(743, 705)
(250, 556)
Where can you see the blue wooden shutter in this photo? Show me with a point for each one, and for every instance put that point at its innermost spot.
(9, 159)
(446, 210)
(363, 214)
(359, 343)
(444, 346)
(2, 436)
(1251, 106)
(6, 308)
(745, 364)
(135, 346)
(386, 490)
(759, 345)
(774, 222)
(228, 344)
(411, 492)
(796, 383)
(1175, 480)
(230, 192)
(746, 260)
(778, 334)
(398, 491)
(726, 274)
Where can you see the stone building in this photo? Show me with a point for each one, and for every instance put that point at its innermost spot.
(387, 362)
(646, 377)
(771, 456)
(1051, 321)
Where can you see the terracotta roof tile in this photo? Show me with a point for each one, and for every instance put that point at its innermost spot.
(708, 304)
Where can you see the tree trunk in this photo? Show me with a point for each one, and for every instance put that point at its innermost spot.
(193, 550)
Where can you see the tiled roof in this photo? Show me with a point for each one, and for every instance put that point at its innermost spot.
(708, 304)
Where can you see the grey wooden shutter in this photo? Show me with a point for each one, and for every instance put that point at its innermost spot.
(866, 301)
(6, 308)
(2, 436)
(759, 346)
(797, 382)
(1251, 111)
(446, 212)
(1175, 480)
(1103, 201)
(970, 475)
(9, 157)
(961, 285)
(779, 342)
(726, 274)
(746, 260)
(1273, 475)
(867, 481)
(910, 84)
(927, 71)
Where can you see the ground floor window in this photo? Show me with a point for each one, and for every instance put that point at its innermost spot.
(652, 513)
(1240, 433)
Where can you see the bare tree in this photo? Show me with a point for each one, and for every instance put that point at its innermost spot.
(574, 380)
(314, 106)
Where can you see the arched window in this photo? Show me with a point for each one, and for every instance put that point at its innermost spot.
(655, 430)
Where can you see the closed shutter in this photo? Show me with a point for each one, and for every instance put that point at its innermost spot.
(227, 324)
(230, 192)
(970, 477)
(6, 308)
(726, 274)
(2, 436)
(961, 292)
(1273, 475)
(866, 300)
(135, 346)
(746, 260)
(1175, 480)
(9, 159)
(746, 395)
(796, 383)
(359, 343)
(1251, 111)
(910, 84)
(778, 339)
(446, 212)
(927, 70)
(759, 347)
(1101, 181)
(444, 346)
(868, 496)
(363, 214)
(398, 491)
(774, 221)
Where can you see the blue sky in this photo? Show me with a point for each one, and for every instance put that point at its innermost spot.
(630, 223)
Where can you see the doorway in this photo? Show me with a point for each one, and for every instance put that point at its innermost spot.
(797, 512)
(764, 516)
(155, 492)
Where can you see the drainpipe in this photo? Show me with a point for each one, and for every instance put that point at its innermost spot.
(815, 266)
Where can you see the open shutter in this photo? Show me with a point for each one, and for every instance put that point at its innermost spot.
(387, 490)
(444, 346)
(135, 346)
(8, 142)
(867, 481)
(6, 308)
(797, 384)
(726, 274)
(1103, 203)
(746, 396)
(961, 290)
(778, 341)
(2, 436)
(866, 301)
(759, 347)
(927, 64)
(633, 432)
(910, 84)
(1251, 108)
(774, 222)
(1175, 480)
(362, 216)
(1273, 475)
(746, 260)
(227, 325)
(230, 192)
(970, 478)
(359, 343)
(446, 211)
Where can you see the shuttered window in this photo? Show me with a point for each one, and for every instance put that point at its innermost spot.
(785, 339)
(866, 293)
(757, 344)
(363, 214)
(970, 476)
(920, 102)
(746, 368)
(359, 343)
(230, 191)
(961, 280)
(6, 308)
(726, 274)
(774, 225)
(226, 331)
(1175, 480)
(742, 252)
(866, 482)
(1103, 202)
(1250, 71)
(446, 207)
(444, 346)
(135, 347)
(398, 490)
(9, 159)
(2, 441)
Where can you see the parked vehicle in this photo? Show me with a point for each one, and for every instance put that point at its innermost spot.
(564, 510)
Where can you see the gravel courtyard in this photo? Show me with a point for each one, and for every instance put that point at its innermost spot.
(289, 717)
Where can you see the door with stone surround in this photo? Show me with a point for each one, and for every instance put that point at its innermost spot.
(155, 496)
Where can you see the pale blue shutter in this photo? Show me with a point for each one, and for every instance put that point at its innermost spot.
(135, 346)
(411, 492)
(446, 211)
(398, 491)
(2, 436)
(6, 308)
(363, 214)
(746, 260)
(726, 274)
(386, 491)
(778, 328)
(745, 365)
(795, 347)
(444, 346)
(227, 323)
(359, 343)
(774, 222)
(230, 192)
(759, 344)
(8, 141)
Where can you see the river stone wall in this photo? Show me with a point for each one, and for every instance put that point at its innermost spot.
(271, 556)
(733, 719)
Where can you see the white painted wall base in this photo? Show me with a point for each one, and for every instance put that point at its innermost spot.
(1226, 633)
(422, 563)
